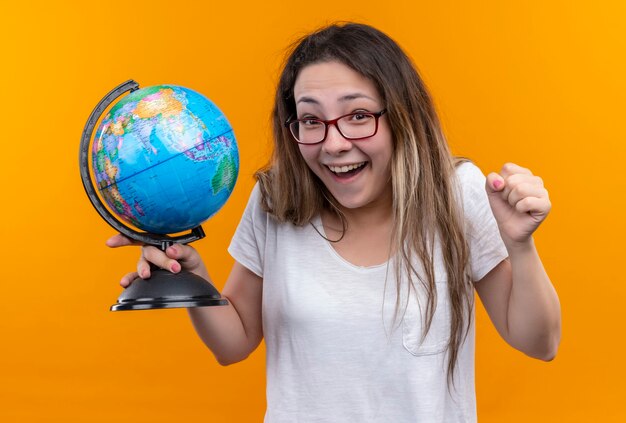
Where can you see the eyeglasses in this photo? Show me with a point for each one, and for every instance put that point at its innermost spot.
(353, 126)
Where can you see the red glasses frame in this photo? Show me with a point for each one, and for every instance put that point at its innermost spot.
(327, 123)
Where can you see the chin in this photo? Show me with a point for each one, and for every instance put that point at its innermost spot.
(351, 203)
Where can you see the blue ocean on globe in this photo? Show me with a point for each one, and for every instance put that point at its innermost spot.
(165, 159)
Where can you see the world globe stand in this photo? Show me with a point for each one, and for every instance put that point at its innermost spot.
(163, 289)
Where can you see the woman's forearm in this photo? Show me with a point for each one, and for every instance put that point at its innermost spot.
(534, 312)
(233, 331)
(222, 331)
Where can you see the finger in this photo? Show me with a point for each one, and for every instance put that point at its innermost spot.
(143, 268)
(160, 259)
(128, 279)
(538, 207)
(182, 252)
(521, 178)
(521, 191)
(513, 181)
(509, 169)
(187, 257)
(494, 183)
(120, 240)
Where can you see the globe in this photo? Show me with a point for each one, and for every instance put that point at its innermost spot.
(165, 159)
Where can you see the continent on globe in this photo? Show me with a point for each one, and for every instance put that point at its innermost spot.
(225, 175)
(165, 159)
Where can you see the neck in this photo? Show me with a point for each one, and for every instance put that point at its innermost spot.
(373, 215)
(378, 214)
(366, 240)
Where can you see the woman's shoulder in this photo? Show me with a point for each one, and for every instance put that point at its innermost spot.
(260, 206)
(470, 178)
(254, 207)
(471, 191)
(467, 170)
(255, 196)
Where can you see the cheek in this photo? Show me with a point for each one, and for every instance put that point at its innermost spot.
(384, 153)
(309, 154)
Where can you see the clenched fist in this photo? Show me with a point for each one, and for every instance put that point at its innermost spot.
(519, 202)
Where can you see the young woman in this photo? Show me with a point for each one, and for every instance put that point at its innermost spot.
(358, 254)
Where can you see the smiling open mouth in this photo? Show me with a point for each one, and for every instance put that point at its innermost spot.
(347, 170)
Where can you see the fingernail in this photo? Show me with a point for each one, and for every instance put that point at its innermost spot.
(497, 184)
(144, 273)
(175, 267)
(171, 249)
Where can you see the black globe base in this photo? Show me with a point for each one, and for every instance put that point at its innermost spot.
(168, 290)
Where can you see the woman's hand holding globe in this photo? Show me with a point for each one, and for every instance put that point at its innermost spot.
(174, 259)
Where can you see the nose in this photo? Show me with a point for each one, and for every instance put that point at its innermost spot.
(335, 143)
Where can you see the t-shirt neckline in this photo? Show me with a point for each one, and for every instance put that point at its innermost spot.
(319, 228)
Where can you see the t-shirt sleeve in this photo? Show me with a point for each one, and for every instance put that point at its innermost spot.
(248, 244)
(486, 247)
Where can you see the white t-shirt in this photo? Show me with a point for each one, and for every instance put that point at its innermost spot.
(333, 354)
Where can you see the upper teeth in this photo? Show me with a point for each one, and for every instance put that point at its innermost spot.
(343, 169)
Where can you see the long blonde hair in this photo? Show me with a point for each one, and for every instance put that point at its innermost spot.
(422, 169)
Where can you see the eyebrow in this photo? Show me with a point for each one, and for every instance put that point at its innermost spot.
(347, 97)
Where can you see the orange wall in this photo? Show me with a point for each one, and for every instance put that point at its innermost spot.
(536, 82)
